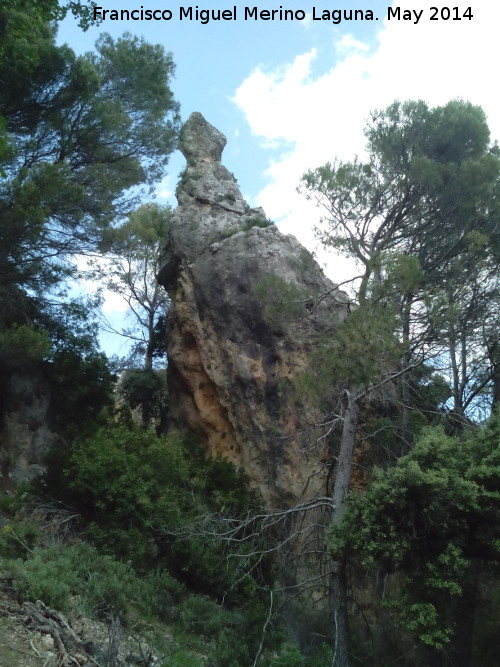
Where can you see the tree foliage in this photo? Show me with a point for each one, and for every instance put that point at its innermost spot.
(419, 215)
(427, 182)
(81, 138)
(362, 352)
(130, 270)
(78, 373)
(55, 10)
(80, 133)
(433, 517)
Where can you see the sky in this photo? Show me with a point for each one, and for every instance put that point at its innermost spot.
(291, 95)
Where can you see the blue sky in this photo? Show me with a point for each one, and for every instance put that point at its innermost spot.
(213, 60)
(291, 95)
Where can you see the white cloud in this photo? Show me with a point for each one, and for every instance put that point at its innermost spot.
(165, 193)
(322, 117)
(348, 44)
(113, 303)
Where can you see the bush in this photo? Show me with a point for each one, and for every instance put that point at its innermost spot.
(23, 345)
(160, 595)
(183, 658)
(144, 389)
(51, 575)
(235, 635)
(61, 575)
(253, 221)
(257, 221)
(203, 616)
(137, 492)
(290, 655)
(124, 482)
(432, 517)
(18, 538)
(282, 301)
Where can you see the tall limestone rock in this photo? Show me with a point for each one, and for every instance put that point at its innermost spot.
(245, 313)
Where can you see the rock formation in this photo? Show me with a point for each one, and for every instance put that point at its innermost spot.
(245, 312)
(24, 433)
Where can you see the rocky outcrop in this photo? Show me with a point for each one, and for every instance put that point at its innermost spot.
(247, 304)
(24, 434)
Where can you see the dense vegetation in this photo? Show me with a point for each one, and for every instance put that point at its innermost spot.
(420, 219)
(144, 526)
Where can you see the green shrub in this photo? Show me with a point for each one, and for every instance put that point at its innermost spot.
(290, 655)
(50, 575)
(254, 221)
(125, 482)
(201, 615)
(12, 503)
(160, 595)
(235, 635)
(137, 492)
(23, 345)
(111, 586)
(231, 231)
(433, 518)
(17, 538)
(257, 221)
(306, 261)
(282, 301)
(232, 649)
(183, 658)
(60, 574)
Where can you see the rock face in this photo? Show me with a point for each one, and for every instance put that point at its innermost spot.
(245, 313)
(24, 434)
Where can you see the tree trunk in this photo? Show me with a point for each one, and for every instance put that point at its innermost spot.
(457, 400)
(494, 359)
(405, 430)
(340, 619)
(496, 387)
(148, 367)
(340, 625)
